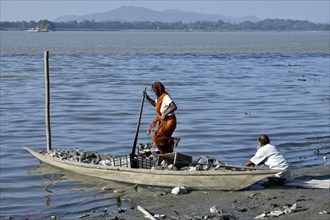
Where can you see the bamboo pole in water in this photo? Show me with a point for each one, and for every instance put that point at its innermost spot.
(138, 124)
(47, 101)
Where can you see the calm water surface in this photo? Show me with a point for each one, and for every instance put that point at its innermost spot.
(229, 88)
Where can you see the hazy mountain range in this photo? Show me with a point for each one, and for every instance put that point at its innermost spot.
(130, 14)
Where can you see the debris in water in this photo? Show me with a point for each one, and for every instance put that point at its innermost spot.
(179, 190)
(285, 210)
(105, 188)
(214, 210)
(159, 216)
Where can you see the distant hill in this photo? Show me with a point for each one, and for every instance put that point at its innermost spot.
(130, 14)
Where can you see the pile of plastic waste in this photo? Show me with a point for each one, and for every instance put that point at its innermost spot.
(82, 156)
(148, 151)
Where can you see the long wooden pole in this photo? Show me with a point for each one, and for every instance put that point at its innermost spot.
(138, 125)
(47, 101)
(147, 214)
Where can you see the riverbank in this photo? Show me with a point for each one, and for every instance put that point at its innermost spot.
(305, 202)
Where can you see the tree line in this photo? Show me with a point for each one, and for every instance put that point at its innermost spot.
(263, 25)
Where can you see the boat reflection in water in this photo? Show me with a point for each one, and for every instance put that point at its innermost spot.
(77, 189)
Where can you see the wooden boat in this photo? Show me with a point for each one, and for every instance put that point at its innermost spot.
(228, 178)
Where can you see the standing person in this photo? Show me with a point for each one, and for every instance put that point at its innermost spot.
(270, 156)
(165, 118)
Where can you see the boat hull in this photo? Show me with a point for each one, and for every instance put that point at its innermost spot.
(192, 180)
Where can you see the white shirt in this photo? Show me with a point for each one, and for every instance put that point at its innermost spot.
(166, 102)
(271, 157)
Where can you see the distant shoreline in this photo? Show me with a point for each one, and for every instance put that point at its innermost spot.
(206, 26)
(179, 31)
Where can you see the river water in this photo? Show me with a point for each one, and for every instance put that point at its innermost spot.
(229, 88)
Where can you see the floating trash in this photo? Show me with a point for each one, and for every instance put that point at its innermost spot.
(179, 190)
(160, 216)
(285, 210)
(215, 210)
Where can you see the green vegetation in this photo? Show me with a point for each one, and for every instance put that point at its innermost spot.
(45, 25)
(263, 25)
(24, 25)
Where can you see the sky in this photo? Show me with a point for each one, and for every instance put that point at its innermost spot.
(26, 10)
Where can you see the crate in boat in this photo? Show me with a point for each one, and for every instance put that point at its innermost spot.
(177, 159)
(124, 161)
(145, 163)
(141, 162)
